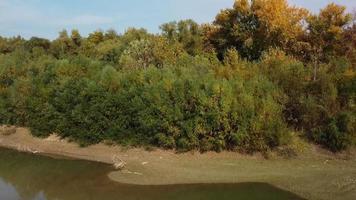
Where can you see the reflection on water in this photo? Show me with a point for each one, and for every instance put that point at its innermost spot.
(29, 177)
(7, 191)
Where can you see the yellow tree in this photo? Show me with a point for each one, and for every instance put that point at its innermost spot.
(255, 26)
(326, 32)
(96, 37)
(350, 39)
(76, 37)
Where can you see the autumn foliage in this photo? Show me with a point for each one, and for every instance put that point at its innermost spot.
(262, 71)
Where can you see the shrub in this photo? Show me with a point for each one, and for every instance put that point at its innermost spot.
(147, 90)
(339, 133)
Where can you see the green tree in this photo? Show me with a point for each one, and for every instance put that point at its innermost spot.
(34, 42)
(132, 34)
(156, 51)
(111, 34)
(62, 46)
(186, 32)
(109, 51)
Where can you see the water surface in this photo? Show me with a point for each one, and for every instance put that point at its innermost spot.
(29, 177)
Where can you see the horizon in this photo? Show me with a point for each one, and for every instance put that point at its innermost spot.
(26, 18)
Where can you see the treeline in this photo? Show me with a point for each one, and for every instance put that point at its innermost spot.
(250, 80)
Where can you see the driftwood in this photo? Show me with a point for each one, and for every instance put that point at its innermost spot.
(118, 163)
(26, 149)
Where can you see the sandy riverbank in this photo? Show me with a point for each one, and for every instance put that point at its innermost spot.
(314, 174)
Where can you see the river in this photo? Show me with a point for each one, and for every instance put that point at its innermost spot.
(32, 177)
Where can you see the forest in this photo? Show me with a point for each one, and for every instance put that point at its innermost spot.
(262, 73)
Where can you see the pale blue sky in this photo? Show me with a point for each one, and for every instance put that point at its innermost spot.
(45, 18)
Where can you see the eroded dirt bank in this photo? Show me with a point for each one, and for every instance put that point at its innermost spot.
(314, 174)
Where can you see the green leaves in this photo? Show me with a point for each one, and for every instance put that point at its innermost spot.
(229, 85)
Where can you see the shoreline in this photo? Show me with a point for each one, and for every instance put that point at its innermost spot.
(314, 174)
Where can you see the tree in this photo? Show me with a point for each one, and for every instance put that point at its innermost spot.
(62, 46)
(96, 37)
(138, 55)
(172, 90)
(169, 30)
(325, 31)
(89, 44)
(156, 51)
(255, 26)
(133, 34)
(37, 42)
(325, 34)
(349, 42)
(109, 51)
(110, 34)
(76, 37)
(8, 45)
(187, 32)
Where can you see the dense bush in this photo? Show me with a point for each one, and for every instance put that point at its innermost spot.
(322, 108)
(197, 103)
(183, 107)
(204, 87)
(337, 134)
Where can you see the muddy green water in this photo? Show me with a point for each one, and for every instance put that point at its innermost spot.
(28, 177)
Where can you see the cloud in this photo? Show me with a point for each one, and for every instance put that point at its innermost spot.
(11, 12)
(18, 12)
(33, 18)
